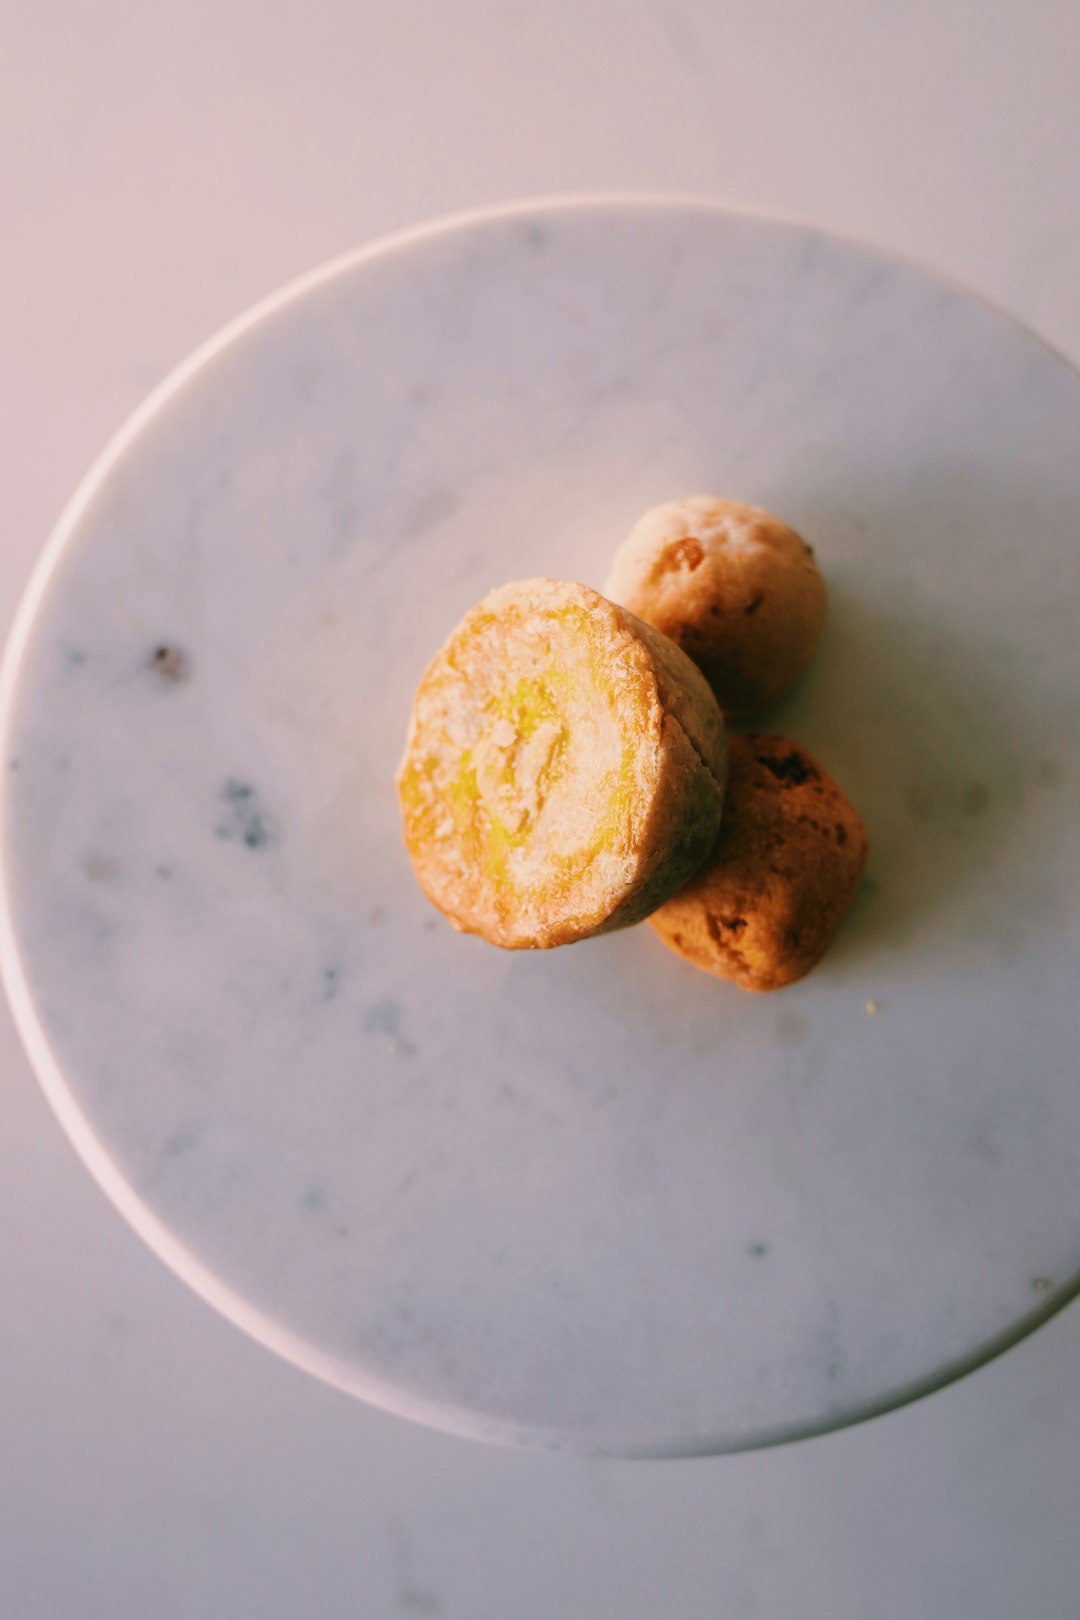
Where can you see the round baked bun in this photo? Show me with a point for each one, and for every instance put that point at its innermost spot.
(564, 769)
(791, 853)
(732, 586)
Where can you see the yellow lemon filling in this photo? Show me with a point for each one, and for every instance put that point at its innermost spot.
(535, 759)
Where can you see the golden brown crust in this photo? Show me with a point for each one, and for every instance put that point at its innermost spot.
(732, 586)
(564, 769)
(787, 864)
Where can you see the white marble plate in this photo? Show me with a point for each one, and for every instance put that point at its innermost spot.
(588, 1197)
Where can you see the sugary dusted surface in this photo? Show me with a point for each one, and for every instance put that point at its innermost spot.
(549, 788)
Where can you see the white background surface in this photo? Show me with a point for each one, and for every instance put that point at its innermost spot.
(159, 169)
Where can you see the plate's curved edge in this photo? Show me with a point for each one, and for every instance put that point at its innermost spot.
(203, 1281)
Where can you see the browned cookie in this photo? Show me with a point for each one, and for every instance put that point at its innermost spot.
(734, 587)
(786, 866)
(564, 770)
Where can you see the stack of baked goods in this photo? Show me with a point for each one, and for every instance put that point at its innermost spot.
(568, 769)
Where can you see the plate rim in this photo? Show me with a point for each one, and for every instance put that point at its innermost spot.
(189, 1268)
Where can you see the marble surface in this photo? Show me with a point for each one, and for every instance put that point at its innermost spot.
(589, 1197)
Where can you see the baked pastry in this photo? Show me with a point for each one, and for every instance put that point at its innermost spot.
(564, 769)
(734, 587)
(786, 866)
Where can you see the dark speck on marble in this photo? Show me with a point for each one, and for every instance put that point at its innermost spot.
(331, 982)
(74, 657)
(246, 822)
(163, 870)
(13, 764)
(170, 663)
(376, 915)
(1041, 1285)
(535, 234)
(431, 924)
(758, 1250)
